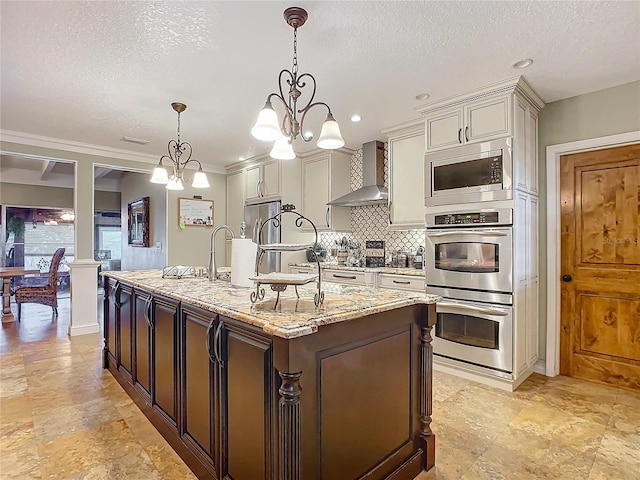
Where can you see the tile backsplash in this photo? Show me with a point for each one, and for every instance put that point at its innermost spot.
(371, 222)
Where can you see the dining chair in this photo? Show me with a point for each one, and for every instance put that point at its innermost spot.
(43, 290)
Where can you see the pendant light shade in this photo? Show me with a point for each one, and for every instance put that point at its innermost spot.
(175, 183)
(267, 127)
(160, 175)
(282, 149)
(330, 136)
(200, 180)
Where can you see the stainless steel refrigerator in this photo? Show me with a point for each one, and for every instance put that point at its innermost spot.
(254, 216)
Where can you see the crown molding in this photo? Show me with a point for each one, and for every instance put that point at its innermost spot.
(510, 85)
(32, 140)
(76, 147)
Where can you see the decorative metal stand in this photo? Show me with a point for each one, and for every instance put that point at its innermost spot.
(280, 281)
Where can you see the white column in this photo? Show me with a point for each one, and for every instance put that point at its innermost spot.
(84, 297)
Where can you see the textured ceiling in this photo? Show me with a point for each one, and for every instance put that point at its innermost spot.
(96, 71)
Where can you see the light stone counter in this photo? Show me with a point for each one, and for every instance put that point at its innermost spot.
(293, 317)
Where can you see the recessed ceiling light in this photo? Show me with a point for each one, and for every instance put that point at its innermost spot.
(242, 159)
(422, 96)
(139, 141)
(356, 118)
(527, 62)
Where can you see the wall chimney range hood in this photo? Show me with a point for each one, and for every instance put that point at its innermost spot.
(373, 191)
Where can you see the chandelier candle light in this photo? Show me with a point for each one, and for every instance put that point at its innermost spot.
(176, 150)
(268, 128)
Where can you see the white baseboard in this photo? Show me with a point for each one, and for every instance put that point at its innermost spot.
(83, 330)
(540, 367)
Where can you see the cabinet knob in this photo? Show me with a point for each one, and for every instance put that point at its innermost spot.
(566, 278)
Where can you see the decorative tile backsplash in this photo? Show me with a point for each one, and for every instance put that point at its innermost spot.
(371, 222)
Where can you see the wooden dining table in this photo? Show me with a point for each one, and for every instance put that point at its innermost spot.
(6, 273)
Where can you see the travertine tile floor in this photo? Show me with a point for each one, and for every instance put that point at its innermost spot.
(63, 417)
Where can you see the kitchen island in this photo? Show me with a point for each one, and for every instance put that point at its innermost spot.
(249, 392)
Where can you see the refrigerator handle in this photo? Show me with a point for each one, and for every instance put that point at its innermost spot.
(255, 231)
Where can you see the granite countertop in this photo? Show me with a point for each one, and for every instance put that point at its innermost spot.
(395, 271)
(293, 317)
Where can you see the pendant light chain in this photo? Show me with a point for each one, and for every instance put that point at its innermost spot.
(295, 53)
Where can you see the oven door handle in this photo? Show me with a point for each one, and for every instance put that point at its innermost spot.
(468, 232)
(486, 311)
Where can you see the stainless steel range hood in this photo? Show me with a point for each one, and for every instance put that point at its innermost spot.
(373, 191)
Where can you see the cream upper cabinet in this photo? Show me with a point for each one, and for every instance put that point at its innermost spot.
(235, 200)
(406, 175)
(262, 181)
(525, 148)
(469, 123)
(325, 176)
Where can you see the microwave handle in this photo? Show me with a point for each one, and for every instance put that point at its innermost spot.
(487, 311)
(467, 232)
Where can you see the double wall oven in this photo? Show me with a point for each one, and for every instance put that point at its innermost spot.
(468, 261)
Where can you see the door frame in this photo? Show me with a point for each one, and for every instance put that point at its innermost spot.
(554, 152)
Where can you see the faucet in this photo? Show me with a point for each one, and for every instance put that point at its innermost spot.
(213, 271)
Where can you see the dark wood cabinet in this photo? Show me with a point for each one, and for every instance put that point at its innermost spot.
(239, 404)
(123, 331)
(200, 385)
(142, 329)
(248, 396)
(165, 359)
(110, 352)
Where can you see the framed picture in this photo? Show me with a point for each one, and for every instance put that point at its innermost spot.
(195, 212)
(139, 222)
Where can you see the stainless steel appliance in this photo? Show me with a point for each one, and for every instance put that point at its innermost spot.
(468, 261)
(254, 216)
(474, 332)
(470, 250)
(470, 173)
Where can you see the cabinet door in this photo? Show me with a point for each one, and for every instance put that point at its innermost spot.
(124, 330)
(406, 192)
(199, 382)
(252, 182)
(315, 191)
(531, 150)
(270, 185)
(443, 130)
(110, 318)
(164, 394)
(235, 201)
(142, 324)
(488, 119)
(248, 389)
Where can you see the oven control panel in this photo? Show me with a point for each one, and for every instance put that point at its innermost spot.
(467, 218)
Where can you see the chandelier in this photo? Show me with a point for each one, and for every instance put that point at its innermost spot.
(268, 128)
(176, 150)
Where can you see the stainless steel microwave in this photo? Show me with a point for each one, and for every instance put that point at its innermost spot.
(471, 173)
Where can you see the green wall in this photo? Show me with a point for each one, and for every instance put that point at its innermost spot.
(35, 196)
(58, 197)
(598, 114)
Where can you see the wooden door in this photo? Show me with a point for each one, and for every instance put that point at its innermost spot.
(600, 210)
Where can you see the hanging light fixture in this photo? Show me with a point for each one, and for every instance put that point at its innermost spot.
(176, 150)
(267, 126)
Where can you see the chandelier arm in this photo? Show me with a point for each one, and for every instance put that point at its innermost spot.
(292, 80)
(182, 148)
(173, 163)
(286, 128)
(302, 84)
(304, 113)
